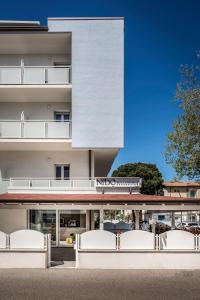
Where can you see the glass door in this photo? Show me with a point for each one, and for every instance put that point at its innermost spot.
(71, 223)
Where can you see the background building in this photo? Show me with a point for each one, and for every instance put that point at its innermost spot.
(182, 189)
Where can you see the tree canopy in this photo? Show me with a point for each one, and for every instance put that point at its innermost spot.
(151, 176)
(183, 148)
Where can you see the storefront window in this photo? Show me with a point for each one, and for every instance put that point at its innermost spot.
(63, 225)
(44, 221)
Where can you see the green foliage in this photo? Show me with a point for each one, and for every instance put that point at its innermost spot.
(183, 148)
(151, 176)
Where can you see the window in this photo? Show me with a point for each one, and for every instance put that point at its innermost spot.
(62, 116)
(44, 221)
(192, 193)
(161, 217)
(62, 172)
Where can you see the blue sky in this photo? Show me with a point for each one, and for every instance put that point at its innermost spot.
(159, 36)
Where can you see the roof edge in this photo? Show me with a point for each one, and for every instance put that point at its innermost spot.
(86, 18)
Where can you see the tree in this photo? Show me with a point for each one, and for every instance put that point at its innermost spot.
(151, 176)
(183, 148)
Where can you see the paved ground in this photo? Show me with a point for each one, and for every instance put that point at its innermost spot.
(98, 284)
(62, 253)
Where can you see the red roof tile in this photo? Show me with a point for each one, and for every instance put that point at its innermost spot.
(92, 198)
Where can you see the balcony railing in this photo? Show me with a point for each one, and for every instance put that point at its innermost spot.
(35, 75)
(35, 130)
(124, 185)
(38, 183)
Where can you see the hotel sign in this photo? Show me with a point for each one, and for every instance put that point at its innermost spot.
(118, 182)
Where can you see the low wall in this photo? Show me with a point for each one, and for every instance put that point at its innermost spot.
(30, 258)
(138, 249)
(138, 260)
(24, 249)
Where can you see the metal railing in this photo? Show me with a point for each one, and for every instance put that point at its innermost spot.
(35, 75)
(35, 129)
(43, 183)
(52, 184)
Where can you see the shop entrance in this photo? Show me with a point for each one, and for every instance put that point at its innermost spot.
(71, 222)
(63, 225)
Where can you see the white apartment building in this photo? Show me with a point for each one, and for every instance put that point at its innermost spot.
(61, 118)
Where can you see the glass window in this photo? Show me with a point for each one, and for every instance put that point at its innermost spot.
(58, 172)
(193, 194)
(66, 172)
(66, 117)
(58, 117)
(62, 116)
(62, 172)
(44, 221)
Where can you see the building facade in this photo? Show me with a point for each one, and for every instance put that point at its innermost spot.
(61, 117)
(61, 127)
(182, 189)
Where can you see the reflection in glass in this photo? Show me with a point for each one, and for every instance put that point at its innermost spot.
(44, 221)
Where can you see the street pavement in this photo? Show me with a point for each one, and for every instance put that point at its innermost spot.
(73, 284)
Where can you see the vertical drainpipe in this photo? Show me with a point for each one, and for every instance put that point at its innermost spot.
(90, 163)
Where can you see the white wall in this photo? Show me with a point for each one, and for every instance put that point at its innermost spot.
(97, 80)
(42, 164)
(32, 110)
(12, 220)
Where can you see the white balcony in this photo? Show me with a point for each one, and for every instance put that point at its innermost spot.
(82, 185)
(34, 75)
(35, 130)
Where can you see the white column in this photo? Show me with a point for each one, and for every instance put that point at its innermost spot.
(57, 227)
(137, 219)
(87, 220)
(173, 220)
(153, 226)
(92, 220)
(101, 219)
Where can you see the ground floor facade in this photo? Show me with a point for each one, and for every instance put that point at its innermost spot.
(64, 216)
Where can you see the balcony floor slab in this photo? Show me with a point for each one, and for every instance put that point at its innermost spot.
(35, 144)
(35, 93)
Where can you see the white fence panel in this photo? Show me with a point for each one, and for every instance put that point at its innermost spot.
(58, 129)
(10, 129)
(137, 240)
(40, 183)
(3, 186)
(2, 240)
(34, 75)
(10, 75)
(60, 183)
(27, 239)
(19, 183)
(98, 239)
(34, 130)
(58, 75)
(177, 240)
